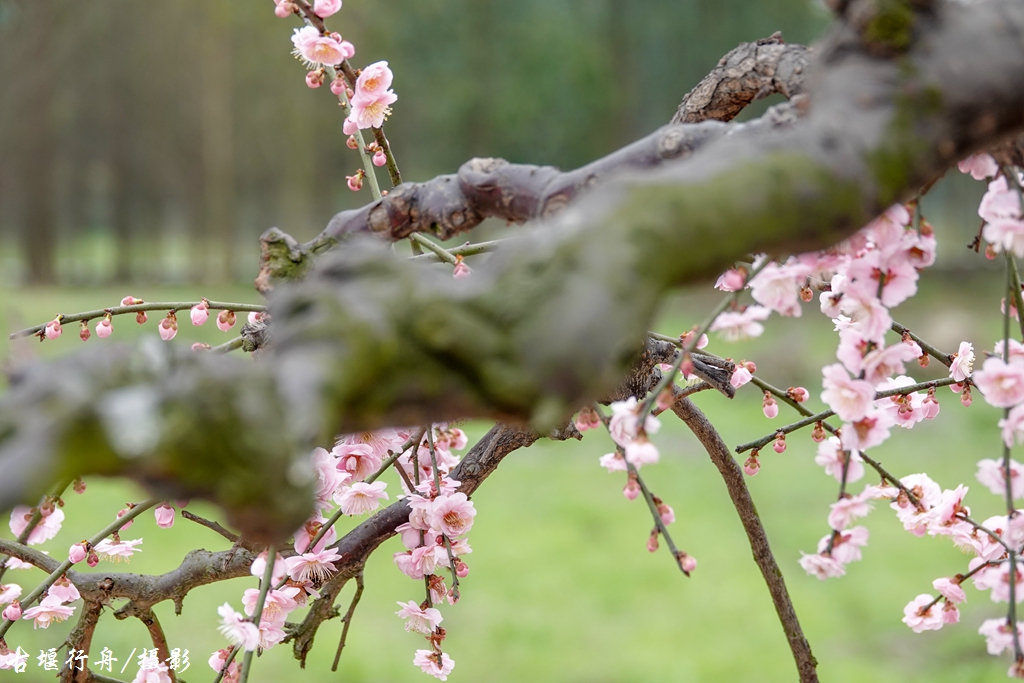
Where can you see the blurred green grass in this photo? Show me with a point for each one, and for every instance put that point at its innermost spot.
(561, 587)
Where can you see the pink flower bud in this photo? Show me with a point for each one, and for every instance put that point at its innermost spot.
(752, 465)
(168, 327)
(652, 542)
(461, 569)
(348, 50)
(461, 271)
(924, 360)
(731, 280)
(93, 559)
(164, 516)
(780, 444)
(667, 514)
(78, 552)
(325, 8)
(686, 562)
(13, 611)
(769, 406)
(254, 317)
(314, 79)
(338, 86)
(200, 346)
(818, 434)
(53, 329)
(84, 332)
(141, 317)
(355, 182)
(47, 508)
(349, 127)
(379, 158)
(226, 320)
(351, 142)
(284, 9)
(965, 398)
(686, 367)
(632, 489)
(990, 253)
(806, 294)
(130, 301)
(200, 313)
(798, 394)
(104, 328)
(686, 338)
(79, 486)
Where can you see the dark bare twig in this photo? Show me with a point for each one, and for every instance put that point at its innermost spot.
(347, 619)
(156, 634)
(732, 475)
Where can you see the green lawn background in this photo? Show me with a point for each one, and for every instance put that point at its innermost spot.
(561, 587)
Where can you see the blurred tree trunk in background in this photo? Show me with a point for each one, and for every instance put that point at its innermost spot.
(217, 135)
(37, 146)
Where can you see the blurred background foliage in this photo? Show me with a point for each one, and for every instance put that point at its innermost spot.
(156, 140)
(149, 144)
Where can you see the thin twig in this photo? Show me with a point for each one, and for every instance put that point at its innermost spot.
(156, 634)
(257, 613)
(347, 619)
(732, 475)
(211, 525)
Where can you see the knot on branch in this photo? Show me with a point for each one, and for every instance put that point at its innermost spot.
(750, 72)
(255, 336)
(281, 258)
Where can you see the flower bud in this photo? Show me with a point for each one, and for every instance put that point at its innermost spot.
(226, 320)
(806, 294)
(379, 158)
(284, 10)
(93, 559)
(818, 433)
(461, 569)
(141, 317)
(79, 486)
(461, 271)
(338, 86)
(164, 516)
(752, 465)
(78, 552)
(350, 127)
(13, 611)
(355, 182)
(686, 562)
(104, 328)
(199, 313)
(798, 394)
(130, 301)
(632, 489)
(200, 346)
(53, 330)
(122, 513)
(314, 79)
(769, 406)
(84, 332)
(965, 398)
(780, 444)
(667, 514)
(652, 541)
(168, 327)
(351, 142)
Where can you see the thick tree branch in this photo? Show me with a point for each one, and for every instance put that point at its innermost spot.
(763, 557)
(750, 72)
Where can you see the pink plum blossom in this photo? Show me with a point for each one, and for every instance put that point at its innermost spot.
(237, 629)
(47, 528)
(963, 363)
(846, 544)
(991, 474)
(437, 664)
(882, 363)
(117, 551)
(64, 589)
(740, 376)
(50, 610)
(310, 529)
(832, 457)
(731, 280)
(743, 325)
(950, 589)
(999, 635)
(613, 462)
(587, 419)
(371, 113)
(848, 398)
(361, 497)
(259, 566)
(1002, 385)
(453, 515)
(1013, 426)
(623, 426)
(9, 593)
(999, 202)
(1005, 234)
(980, 166)
(360, 460)
(418, 619)
(318, 50)
(642, 452)
(821, 566)
(312, 567)
(866, 314)
(868, 432)
(778, 287)
(461, 271)
(920, 615)
(325, 8)
(846, 510)
(1001, 586)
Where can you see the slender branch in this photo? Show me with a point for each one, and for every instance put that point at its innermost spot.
(818, 417)
(466, 249)
(944, 358)
(732, 475)
(438, 251)
(156, 634)
(80, 639)
(347, 619)
(172, 306)
(228, 347)
(227, 662)
(211, 525)
(447, 541)
(66, 564)
(257, 613)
